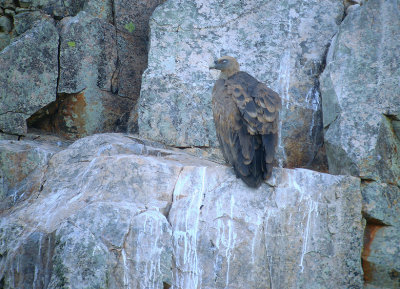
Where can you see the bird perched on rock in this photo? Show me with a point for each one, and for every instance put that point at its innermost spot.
(246, 120)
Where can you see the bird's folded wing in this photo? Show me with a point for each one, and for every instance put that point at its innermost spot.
(259, 109)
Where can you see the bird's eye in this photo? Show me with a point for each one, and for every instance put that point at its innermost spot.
(224, 61)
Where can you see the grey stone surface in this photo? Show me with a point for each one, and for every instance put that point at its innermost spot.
(360, 94)
(115, 212)
(28, 73)
(132, 23)
(33, 252)
(22, 165)
(25, 20)
(5, 24)
(292, 227)
(381, 202)
(57, 8)
(131, 19)
(382, 263)
(280, 43)
(4, 40)
(88, 58)
(361, 112)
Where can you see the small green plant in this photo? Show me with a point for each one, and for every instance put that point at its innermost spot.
(71, 43)
(130, 27)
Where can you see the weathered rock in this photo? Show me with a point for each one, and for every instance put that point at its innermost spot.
(35, 252)
(22, 165)
(85, 103)
(381, 262)
(360, 94)
(381, 203)
(281, 44)
(28, 73)
(102, 9)
(57, 8)
(361, 113)
(4, 40)
(104, 219)
(24, 21)
(7, 4)
(122, 248)
(5, 24)
(131, 19)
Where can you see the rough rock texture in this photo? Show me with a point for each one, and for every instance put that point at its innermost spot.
(381, 263)
(103, 220)
(28, 76)
(88, 58)
(381, 202)
(361, 116)
(103, 49)
(132, 24)
(381, 208)
(283, 44)
(360, 94)
(17, 17)
(22, 165)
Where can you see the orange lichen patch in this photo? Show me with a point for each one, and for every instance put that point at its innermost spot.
(369, 234)
(64, 117)
(70, 119)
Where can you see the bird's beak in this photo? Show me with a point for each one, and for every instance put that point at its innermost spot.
(214, 65)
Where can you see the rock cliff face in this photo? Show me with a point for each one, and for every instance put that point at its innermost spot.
(361, 105)
(117, 213)
(281, 43)
(27, 62)
(74, 66)
(114, 210)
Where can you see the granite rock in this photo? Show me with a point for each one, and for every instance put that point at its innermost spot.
(28, 73)
(102, 219)
(282, 44)
(22, 166)
(360, 94)
(85, 103)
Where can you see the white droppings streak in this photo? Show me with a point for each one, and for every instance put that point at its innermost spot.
(266, 247)
(313, 207)
(126, 270)
(150, 260)
(284, 86)
(188, 274)
(313, 99)
(231, 240)
(255, 238)
(284, 77)
(281, 147)
(38, 262)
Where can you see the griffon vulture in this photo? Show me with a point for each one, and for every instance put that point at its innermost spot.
(246, 120)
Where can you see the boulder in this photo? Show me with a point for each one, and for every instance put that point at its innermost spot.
(28, 73)
(279, 43)
(360, 94)
(22, 166)
(85, 103)
(102, 219)
(361, 116)
(5, 24)
(381, 202)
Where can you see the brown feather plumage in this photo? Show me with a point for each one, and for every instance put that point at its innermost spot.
(246, 116)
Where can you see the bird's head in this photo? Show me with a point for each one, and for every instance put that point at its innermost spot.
(228, 66)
